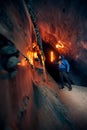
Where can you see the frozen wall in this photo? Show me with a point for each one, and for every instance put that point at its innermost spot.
(15, 24)
(66, 21)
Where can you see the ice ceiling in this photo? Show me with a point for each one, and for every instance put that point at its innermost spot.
(65, 21)
(58, 20)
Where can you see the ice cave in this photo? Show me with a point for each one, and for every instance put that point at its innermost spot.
(33, 33)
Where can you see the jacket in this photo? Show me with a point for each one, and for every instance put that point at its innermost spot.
(64, 65)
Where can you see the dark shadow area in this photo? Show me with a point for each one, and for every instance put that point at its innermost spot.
(8, 57)
(78, 72)
(50, 66)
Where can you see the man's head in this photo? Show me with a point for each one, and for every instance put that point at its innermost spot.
(61, 57)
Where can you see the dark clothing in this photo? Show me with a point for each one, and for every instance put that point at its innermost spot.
(64, 68)
(65, 75)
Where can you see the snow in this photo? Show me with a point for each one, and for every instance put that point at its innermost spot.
(61, 106)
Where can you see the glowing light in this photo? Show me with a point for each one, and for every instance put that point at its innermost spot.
(59, 45)
(34, 44)
(30, 56)
(59, 41)
(19, 64)
(35, 55)
(52, 56)
(23, 62)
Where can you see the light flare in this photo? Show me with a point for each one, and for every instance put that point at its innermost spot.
(59, 45)
(30, 56)
(22, 63)
(52, 56)
(35, 55)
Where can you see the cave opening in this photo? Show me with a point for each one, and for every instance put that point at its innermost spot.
(77, 74)
(51, 68)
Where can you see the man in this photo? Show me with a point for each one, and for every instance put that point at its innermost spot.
(64, 68)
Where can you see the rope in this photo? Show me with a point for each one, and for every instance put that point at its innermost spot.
(36, 28)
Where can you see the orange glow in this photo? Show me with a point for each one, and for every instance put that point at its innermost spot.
(35, 55)
(55, 37)
(19, 63)
(52, 56)
(30, 56)
(23, 62)
(34, 44)
(59, 45)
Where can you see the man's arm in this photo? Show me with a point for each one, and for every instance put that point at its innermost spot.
(67, 66)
